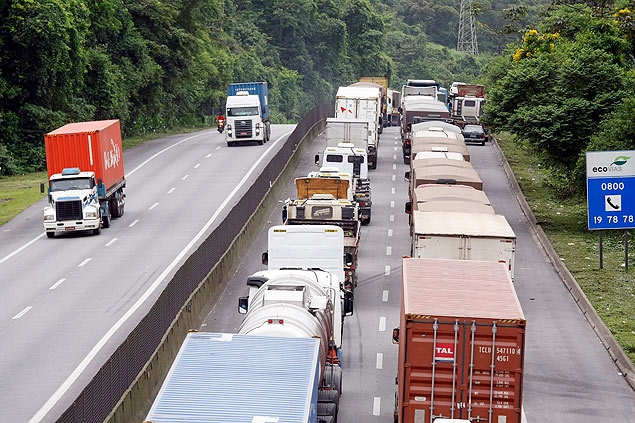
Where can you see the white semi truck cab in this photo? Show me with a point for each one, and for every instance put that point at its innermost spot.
(73, 203)
(247, 113)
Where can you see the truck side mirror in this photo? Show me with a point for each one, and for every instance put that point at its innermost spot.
(243, 303)
(395, 336)
(408, 207)
(42, 187)
(285, 214)
(406, 176)
(348, 303)
(317, 159)
(349, 259)
(265, 258)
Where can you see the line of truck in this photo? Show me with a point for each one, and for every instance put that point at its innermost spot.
(461, 335)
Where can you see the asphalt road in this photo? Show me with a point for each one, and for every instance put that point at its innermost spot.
(67, 303)
(569, 377)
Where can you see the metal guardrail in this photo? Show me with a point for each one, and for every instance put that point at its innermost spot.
(111, 390)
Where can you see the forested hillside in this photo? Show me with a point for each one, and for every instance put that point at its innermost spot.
(159, 64)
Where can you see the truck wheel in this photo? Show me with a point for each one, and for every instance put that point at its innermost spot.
(50, 234)
(96, 231)
(105, 220)
(261, 142)
(230, 144)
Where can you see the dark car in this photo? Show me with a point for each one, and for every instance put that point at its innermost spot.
(474, 133)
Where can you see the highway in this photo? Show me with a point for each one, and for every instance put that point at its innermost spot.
(569, 375)
(66, 303)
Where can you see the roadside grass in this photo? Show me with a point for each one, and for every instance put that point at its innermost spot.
(610, 290)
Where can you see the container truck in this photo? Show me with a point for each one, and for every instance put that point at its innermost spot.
(247, 113)
(461, 339)
(362, 103)
(463, 236)
(220, 377)
(86, 182)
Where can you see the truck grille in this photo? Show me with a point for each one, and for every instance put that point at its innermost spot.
(68, 210)
(242, 128)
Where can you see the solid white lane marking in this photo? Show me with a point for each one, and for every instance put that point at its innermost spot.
(171, 190)
(112, 241)
(185, 177)
(384, 295)
(153, 206)
(5, 258)
(133, 223)
(376, 406)
(85, 262)
(197, 165)
(58, 283)
(388, 250)
(382, 324)
(380, 361)
(50, 403)
(22, 313)
(386, 270)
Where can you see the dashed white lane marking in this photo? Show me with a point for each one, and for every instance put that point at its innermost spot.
(153, 206)
(58, 283)
(394, 177)
(382, 324)
(197, 165)
(376, 406)
(389, 232)
(392, 190)
(395, 148)
(384, 295)
(392, 217)
(388, 250)
(218, 147)
(133, 223)
(185, 177)
(394, 157)
(209, 155)
(392, 204)
(380, 361)
(22, 313)
(394, 166)
(85, 262)
(386, 271)
(112, 241)
(171, 190)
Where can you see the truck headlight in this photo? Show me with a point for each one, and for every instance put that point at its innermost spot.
(49, 214)
(91, 212)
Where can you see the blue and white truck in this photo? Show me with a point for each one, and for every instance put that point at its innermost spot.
(247, 113)
(220, 377)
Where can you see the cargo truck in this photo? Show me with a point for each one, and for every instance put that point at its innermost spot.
(416, 109)
(247, 113)
(467, 104)
(461, 340)
(382, 82)
(463, 236)
(86, 181)
(220, 377)
(362, 103)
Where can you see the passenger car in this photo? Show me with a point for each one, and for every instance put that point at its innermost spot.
(474, 133)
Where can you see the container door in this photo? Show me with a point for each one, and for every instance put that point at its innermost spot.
(463, 370)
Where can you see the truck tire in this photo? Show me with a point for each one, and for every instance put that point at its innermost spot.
(96, 231)
(261, 142)
(105, 220)
(50, 234)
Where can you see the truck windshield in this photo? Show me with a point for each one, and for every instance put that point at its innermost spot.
(243, 111)
(69, 184)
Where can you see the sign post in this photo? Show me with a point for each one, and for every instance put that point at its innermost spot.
(611, 191)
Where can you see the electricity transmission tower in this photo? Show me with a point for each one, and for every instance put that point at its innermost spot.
(467, 29)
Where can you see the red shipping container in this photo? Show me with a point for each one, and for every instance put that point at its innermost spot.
(90, 146)
(461, 343)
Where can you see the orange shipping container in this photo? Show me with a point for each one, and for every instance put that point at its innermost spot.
(90, 146)
(461, 343)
